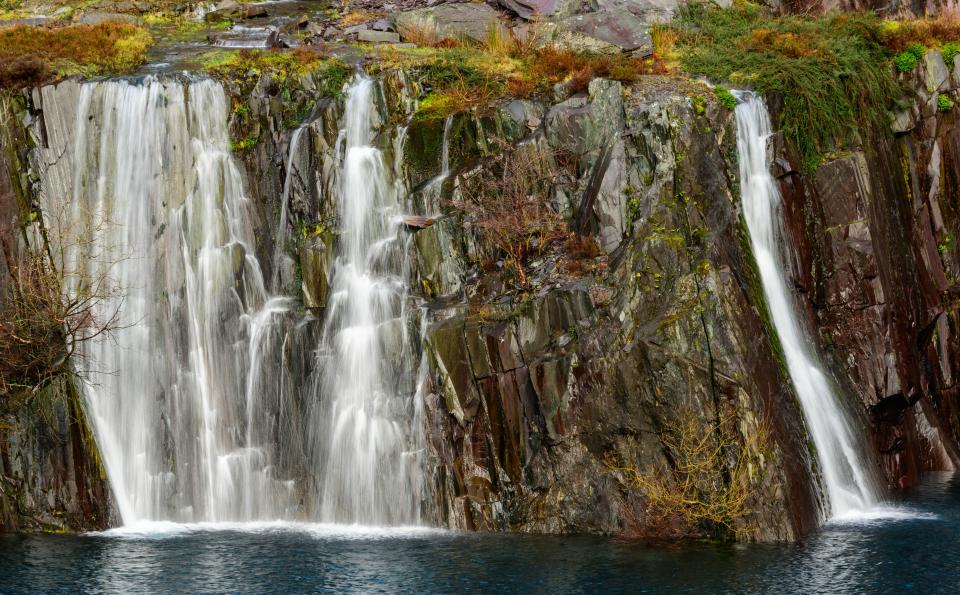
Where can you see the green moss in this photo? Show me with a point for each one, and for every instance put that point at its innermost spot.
(944, 103)
(832, 72)
(285, 67)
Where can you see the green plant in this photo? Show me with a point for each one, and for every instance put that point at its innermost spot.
(917, 50)
(905, 61)
(950, 51)
(726, 97)
(944, 103)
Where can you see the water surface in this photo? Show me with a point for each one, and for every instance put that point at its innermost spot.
(916, 551)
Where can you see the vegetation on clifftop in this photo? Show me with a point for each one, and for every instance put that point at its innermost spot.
(34, 55)
(832, 72)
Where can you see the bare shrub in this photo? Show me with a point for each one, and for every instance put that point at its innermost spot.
(507, 201)
(708, 484)
(42, 325)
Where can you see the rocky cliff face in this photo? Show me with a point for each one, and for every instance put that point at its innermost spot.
(50, 473)
(557, 393)
(538, 393)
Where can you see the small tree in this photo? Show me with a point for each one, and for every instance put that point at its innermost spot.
(42, 324)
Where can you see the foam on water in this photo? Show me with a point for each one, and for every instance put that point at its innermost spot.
(168, 529)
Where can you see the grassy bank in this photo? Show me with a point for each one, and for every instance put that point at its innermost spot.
(34, 55)
(836, 74)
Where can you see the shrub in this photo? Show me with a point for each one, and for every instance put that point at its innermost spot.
(905, 61)
(944, 103)
(949, 51)
(930, 32)
(917, 50)
(726, 97)
(41, 324)
(707, 486)
(23, 71)
(507, 201)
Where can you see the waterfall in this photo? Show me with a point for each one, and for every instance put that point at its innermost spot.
(847, 472)
(368, 469)
(280, 240)
(184, 394)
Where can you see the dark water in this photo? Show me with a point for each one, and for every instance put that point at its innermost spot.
(917, 551)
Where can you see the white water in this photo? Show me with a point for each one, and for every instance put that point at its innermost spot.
(280, 240)
(848, 477)
(367, 474)
(199, 417)
(184, 396)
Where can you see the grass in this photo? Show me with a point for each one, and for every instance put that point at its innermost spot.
(832, 72)
(32, 55)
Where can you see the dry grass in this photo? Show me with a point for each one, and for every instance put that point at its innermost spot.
(930, 32)
(357, 17)
(29, 55)
(665, 40)
(425, 33)
(549, 65)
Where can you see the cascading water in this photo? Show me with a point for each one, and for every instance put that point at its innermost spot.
(185, 409)
(847, 474)
(195, 409)
(368, 463)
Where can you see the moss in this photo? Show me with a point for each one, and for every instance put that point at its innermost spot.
(725, 96)
(285, 67)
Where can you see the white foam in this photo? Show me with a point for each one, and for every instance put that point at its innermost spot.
(880, 514)
(164, 529)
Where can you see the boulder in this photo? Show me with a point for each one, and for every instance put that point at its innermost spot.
(527, 9)
(372, 36)
(937, 75)
(451, 20)
(617, 27)
(95, 18)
